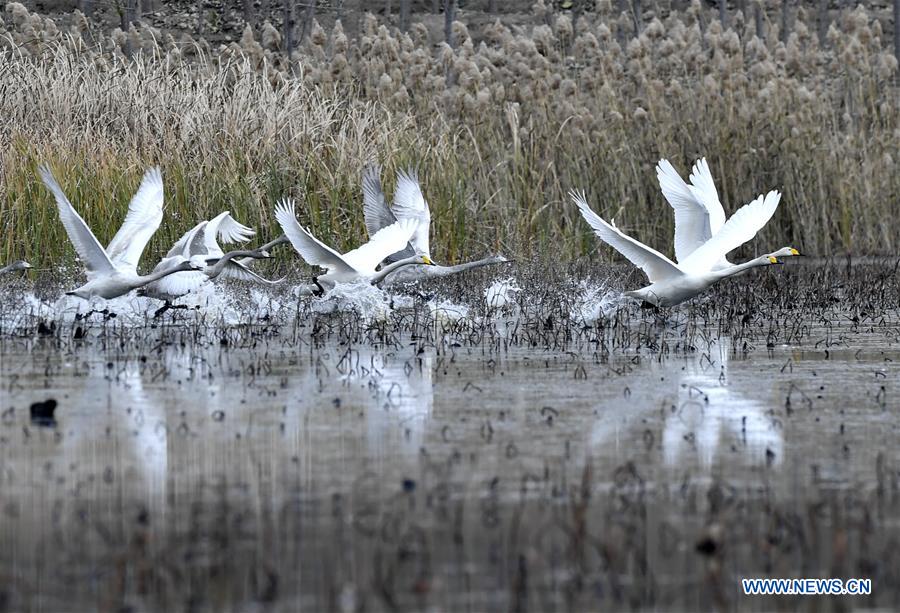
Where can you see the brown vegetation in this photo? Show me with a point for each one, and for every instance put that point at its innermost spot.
(500, 130)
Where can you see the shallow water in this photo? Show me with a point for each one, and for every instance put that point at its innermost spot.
(490, 459)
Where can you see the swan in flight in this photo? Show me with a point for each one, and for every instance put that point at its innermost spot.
(672, 283)
(409, 203)
(15, 266)
(112, 272)
(201, 245)
(353, 266)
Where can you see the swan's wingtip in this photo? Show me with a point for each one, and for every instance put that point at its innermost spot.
(409, 173)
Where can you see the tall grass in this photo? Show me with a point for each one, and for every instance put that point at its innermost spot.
(500, 131)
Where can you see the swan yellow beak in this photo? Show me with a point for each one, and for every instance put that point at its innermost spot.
(794, 251)
(427, 261)
(773, 259)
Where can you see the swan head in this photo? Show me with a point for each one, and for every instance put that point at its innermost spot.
(18, 265)
(784, 252)
(197, 262)
(80, 293)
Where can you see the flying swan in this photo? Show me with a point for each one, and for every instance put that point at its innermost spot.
(112, 272)
(353, 266)
(671, 283)
(409, 203)
(200, 244)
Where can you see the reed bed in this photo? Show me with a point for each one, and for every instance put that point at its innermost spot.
(499, 130)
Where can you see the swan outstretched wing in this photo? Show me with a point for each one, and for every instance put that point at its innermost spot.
(223, 227)
(238, 269)
(311, 249)
(179, 283)
(198, 244)
(180, 248)
(86, 244)
(145, 213)
(692, 221)
(704, 190)
(655, 265)
(740, 228)
(375, 209)
(409, 203)
(385, 242)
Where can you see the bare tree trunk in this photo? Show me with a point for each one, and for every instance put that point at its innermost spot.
(822, 18)
(288, 28)
(436, 6)
(404, 15)
(636, 7)
(784, 20)
(723, 14)
(758, 18)
(449, 16)
(492, 6)
(897, 30)
(308, 17)
(201, 14)
(248, 13)
(387, 10)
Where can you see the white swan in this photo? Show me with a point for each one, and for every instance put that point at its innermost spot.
(15, 266)
(409, 203)
(201, 245)
(353, 266)
(112, 272)
(671, 283)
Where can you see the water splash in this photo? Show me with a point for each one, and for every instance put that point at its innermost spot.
(501, 294)
(372, 303)
(447, 311)
(595, 302)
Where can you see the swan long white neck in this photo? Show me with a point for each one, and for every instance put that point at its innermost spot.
(216, 269)
(159, 274)
(738, 269)
(379, 276)
(426, 272)
(440, 271)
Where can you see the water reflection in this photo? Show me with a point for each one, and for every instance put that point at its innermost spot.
(228, 476)
(706, 417)
(715, 418)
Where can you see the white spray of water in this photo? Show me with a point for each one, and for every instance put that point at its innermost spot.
(372, 303)
(501, 294)
(447, 311)
(595, 302)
